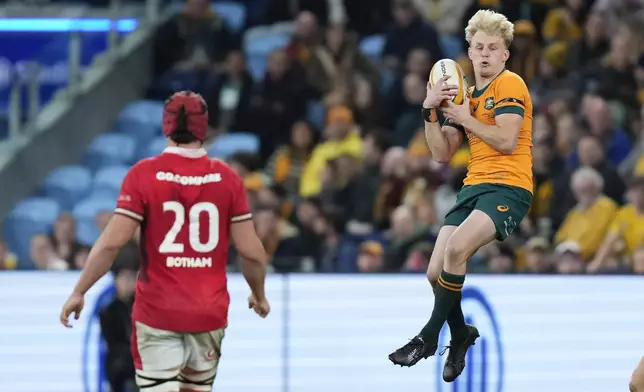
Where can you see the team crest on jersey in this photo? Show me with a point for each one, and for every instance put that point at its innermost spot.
(489, 103)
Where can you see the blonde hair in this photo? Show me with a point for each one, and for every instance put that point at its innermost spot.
(491, 23)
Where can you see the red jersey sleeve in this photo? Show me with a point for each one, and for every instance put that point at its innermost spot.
(239, 210)
(130, 201)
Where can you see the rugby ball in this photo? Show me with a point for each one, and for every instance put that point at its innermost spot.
(449, 67)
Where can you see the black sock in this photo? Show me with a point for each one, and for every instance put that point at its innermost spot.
(455, 318)
(447, 293)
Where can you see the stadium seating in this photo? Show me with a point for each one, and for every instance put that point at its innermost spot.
(110, 149)
(233, 13)
(67, 185)
(30, 217)
(142, 120)
(108, 180)
(85, 213)
(227, 145)
(373, 46)
(155, 147)
(260, 47)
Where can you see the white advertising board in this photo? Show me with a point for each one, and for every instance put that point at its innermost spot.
(334, 332)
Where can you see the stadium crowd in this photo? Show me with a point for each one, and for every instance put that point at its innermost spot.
(353, 188)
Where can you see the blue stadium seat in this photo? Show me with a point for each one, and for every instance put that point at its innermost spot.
(265, 44)
(146, 112)
(108, 180)
(30, 217)
(260, 47)
(141, 119)
(110, 149)
(316, 114)
(67, 185)
(373, 46)
(233, 13)
(229, 144)
(154, 148)
(85, 214)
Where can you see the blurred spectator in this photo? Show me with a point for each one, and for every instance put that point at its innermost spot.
(286, 164)
(43, 254)
(503, 261)
(8, 260)
(588, 222)
(568, 258)
(537, 256)
(280, 239)
(367, 17)
(367, 183)
(404, 235)
(626, 234)
(419, 63)
(408, 121)
(370, 257)
(525, 51)
(637, 261)
(229, 99)
(408, 32)
(279, 103)
(392, 189)
(305, 38)
(445, 15)
(116, 328)
(563, 24)
(590, 152)
(196, 39)
(64, 241)
(613, 76)
(336, 62)
(590, 47)
(287, 10)
(341, 137)
(367, 104)
(634, 164)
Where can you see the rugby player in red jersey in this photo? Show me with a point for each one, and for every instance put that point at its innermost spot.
(188, 207)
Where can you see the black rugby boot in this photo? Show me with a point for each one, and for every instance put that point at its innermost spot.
(455, 362)
(412, 352)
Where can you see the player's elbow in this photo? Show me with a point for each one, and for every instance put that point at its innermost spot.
(442, 158)
(247, 243)
(509, 144)
(508, 147)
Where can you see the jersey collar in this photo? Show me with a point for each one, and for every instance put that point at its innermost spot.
(186, 152)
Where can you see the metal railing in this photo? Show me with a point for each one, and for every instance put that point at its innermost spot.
(25, 95)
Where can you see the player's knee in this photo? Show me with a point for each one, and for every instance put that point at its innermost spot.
(456, 251)
(158, 381)
(432, 276)
(197, 381)
(170, 386)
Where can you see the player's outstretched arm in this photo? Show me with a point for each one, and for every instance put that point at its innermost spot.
(253, 256)
(118, 232)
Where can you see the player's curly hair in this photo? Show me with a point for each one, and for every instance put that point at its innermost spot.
(492, 23)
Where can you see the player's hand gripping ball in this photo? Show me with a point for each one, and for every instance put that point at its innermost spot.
(446, 83)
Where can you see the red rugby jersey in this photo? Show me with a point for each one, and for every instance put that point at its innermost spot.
(185, 202)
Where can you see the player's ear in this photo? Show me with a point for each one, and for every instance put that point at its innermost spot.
(506, 55)
(469, 52)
